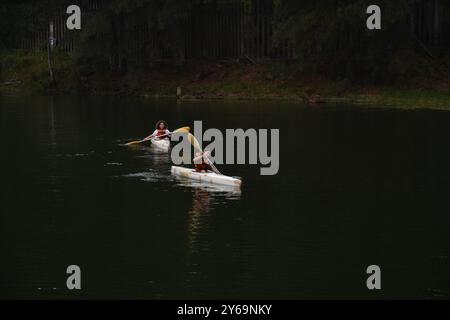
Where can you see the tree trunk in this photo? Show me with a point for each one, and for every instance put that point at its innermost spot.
(50, 55)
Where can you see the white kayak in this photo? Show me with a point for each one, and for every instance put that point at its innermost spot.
(163, 145)
(209, 177)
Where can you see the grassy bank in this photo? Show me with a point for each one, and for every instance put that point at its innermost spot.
(23, 73)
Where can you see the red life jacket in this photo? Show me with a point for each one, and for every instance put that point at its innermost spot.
(161, 132)
(202, 167)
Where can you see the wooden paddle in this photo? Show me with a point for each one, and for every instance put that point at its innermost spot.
(196, 145)
(182, 129)
(212, 165)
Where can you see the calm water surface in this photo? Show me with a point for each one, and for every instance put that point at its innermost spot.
(357, 186)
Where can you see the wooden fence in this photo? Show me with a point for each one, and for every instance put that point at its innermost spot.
(429, 22)
(230, 29)
(66, 39)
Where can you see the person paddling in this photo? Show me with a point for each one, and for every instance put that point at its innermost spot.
(201, 162)
(161, 131)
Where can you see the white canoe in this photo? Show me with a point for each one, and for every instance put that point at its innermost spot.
(209, 177)
(163, 145)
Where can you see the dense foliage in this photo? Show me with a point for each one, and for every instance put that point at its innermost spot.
(329, 36)
(333, 34)
(108, 32)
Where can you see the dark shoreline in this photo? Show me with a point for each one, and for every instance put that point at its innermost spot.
(232, 80)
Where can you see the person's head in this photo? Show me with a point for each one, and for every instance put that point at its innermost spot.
(161, 125)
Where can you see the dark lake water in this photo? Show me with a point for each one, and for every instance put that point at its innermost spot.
(357, 186)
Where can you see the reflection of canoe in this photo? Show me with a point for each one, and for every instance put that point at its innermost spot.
(209, 177)
(162, 145)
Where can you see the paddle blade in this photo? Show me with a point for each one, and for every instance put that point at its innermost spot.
(131, 143)
(183, 129)
(191, 138)
(195, 143)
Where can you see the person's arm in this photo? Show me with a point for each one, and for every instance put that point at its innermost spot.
(152, 135)
(206, 158)
(197, 159)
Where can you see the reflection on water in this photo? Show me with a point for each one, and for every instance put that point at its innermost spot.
(160, 159)
(113, 164)
(355, 187)
(148, 176)
(51, 121)
(68, 155)
(205, 198)
(196, 215)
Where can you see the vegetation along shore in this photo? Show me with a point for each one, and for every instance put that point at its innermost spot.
(232, 50)
(25, 73)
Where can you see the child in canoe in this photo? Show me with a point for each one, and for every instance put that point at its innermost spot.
(161, 131)
(201, 162)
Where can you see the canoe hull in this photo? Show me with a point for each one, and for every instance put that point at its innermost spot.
(163, 145)
(209, 177)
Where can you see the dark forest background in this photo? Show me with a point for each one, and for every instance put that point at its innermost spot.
(326, 37)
